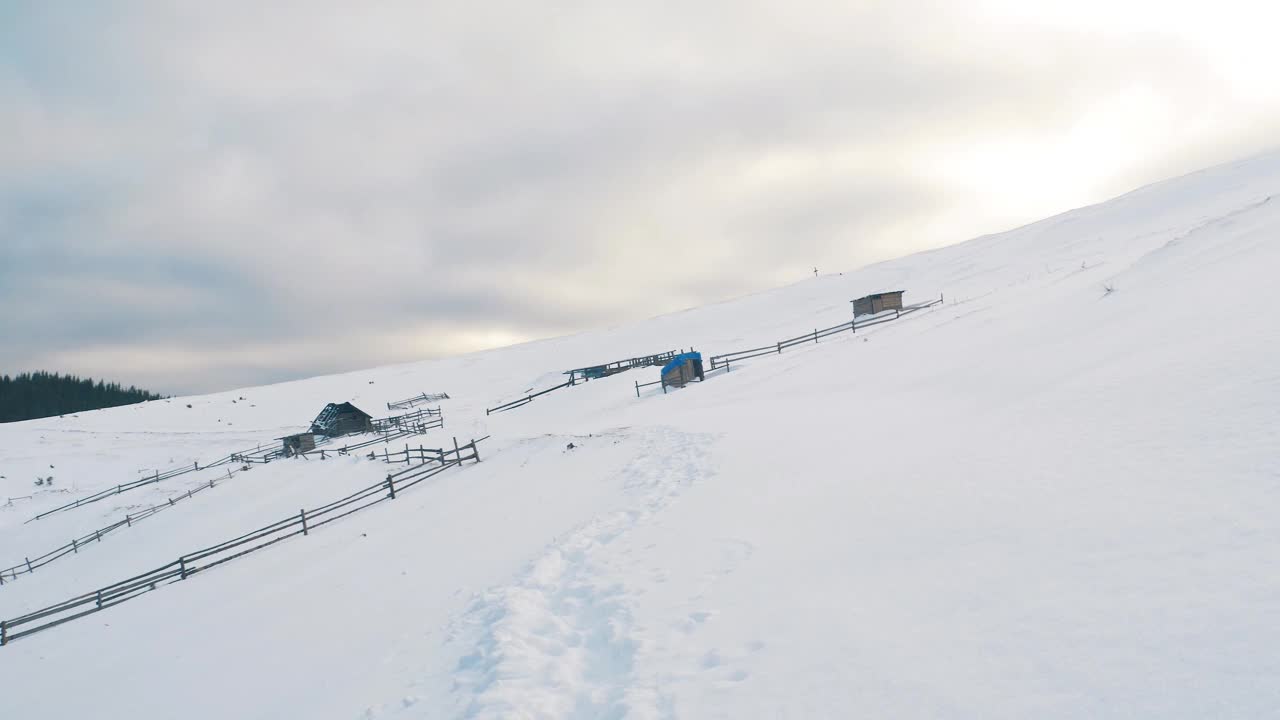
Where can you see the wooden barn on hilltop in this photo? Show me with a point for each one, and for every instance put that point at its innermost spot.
(878, 303)
(341, 419)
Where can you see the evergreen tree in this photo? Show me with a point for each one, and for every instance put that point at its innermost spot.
(43, 394)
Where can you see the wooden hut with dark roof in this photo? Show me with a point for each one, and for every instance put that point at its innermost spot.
(878, 303)
(341, 419)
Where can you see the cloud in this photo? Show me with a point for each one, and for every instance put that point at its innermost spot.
(201, 195)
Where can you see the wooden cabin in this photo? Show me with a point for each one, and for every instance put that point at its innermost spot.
(341, 419)
(299, 443)
(878, 303)
(682, 370)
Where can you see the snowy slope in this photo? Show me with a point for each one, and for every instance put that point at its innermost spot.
(1042, 498)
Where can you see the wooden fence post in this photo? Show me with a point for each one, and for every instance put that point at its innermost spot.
(475, 450)
(457, 453)
(4, 632)
(182, 568)
(303, 514)
(815, 335)
(779, 347)
(75, 548)
(853, 325)
(391, 486)
(28, 564)
(99, 599)
(637, 388)
(128, 520)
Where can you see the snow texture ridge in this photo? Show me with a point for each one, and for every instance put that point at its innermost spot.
(561, 643)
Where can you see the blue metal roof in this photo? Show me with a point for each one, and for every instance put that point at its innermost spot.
(678, 360)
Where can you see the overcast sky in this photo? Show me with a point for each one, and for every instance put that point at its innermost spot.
(202, 195)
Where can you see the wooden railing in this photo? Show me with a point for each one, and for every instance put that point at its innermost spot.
(527, 398)
(29, 565)
(617, 366)
(724, 360)
(422, 399)
(579, 375)
(134, 485)
(204, 559)
(263, 454)
(422, 418)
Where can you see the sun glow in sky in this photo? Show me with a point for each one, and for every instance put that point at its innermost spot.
(185, 189)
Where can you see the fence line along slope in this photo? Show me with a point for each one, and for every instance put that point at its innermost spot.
(80, 606)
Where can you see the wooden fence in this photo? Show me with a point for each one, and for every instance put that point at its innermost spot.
(201, 560)
(723, 361)
(424, 418)
(259, 454)
(29, 565)
(527, 398)
(617, 366)
(134, 485)
(412, 402)
(584, 374)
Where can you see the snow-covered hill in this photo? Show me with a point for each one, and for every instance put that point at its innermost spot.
(1054, 495)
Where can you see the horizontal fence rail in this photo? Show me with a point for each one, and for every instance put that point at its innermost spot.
(397, 423)
(28, 565)
(134, 485)
(526, 399)
(617, 366)
(199, 561)
(724, 360)
(412, 402)
(578, 375)
(260, 455)
(130, 519)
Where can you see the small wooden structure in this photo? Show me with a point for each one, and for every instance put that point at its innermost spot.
(682, 370)
(599, 371)
(341, 419)
(299, 443)
(878, 303)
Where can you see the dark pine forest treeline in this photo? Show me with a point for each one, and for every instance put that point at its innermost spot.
(42, 394)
